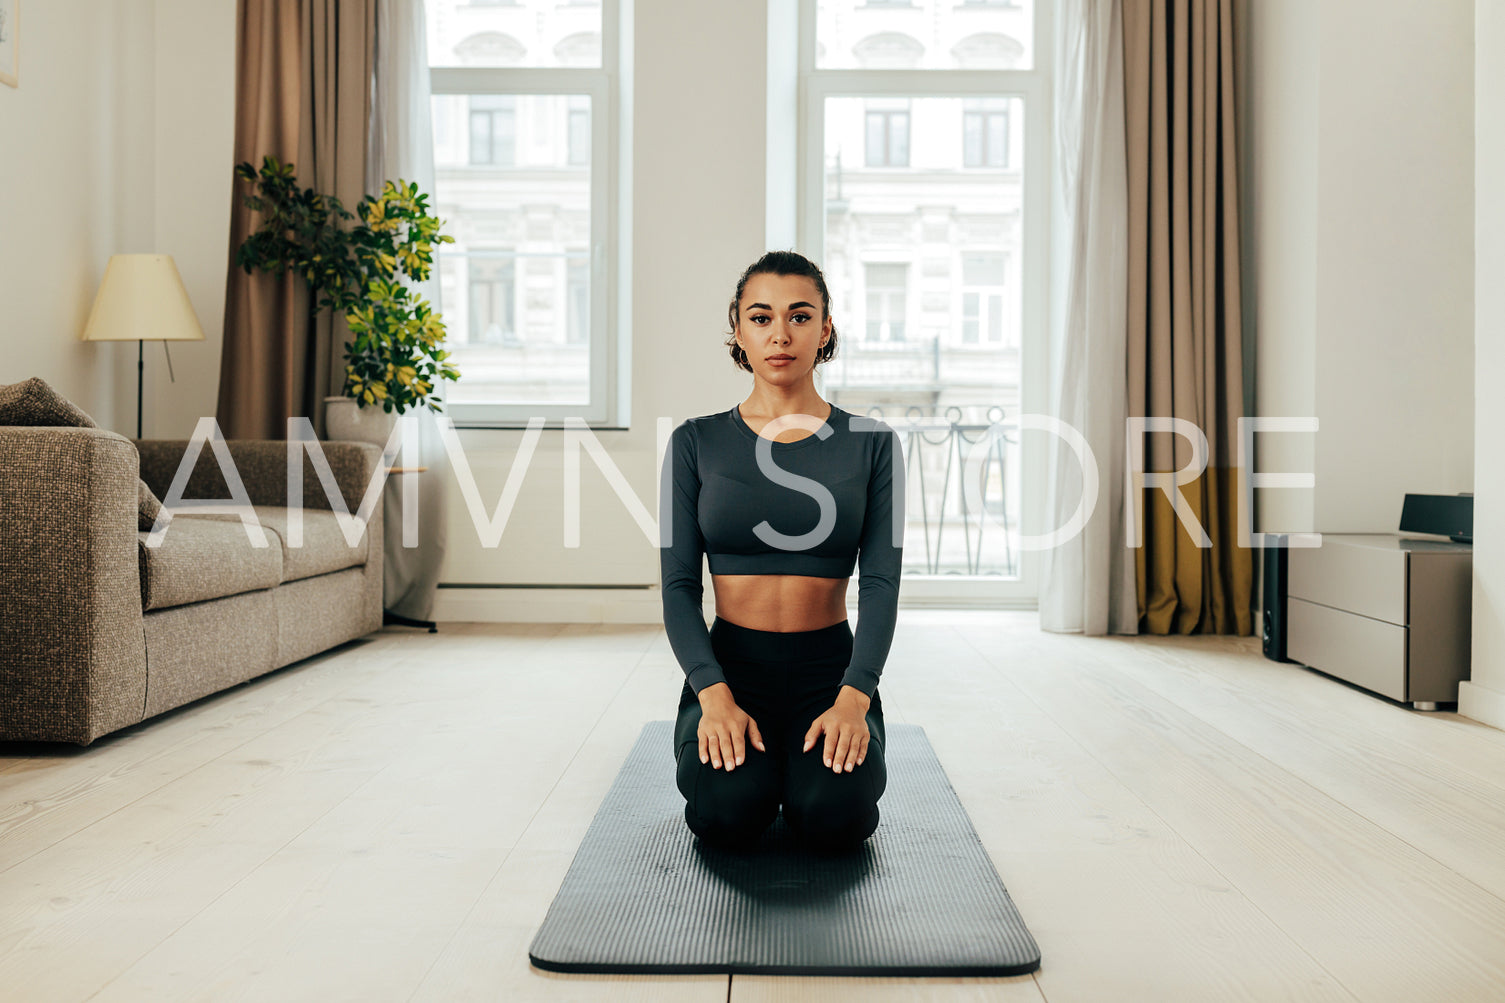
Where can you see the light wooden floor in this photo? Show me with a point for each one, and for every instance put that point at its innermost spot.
(1176, 818)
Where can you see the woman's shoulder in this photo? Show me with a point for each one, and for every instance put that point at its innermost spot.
(697, 427)
(700, 422)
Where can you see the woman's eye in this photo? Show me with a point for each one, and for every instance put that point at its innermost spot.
(802, 316)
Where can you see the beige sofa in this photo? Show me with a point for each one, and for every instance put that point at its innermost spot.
(98, 631)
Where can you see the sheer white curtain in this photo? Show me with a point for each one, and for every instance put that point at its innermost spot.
(402, 147)
(1088, 582)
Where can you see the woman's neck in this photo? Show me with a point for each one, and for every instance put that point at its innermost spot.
(775, 402)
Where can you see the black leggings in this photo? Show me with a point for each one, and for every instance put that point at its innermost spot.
(784, 681)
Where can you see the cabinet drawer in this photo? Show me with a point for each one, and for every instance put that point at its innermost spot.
(1369, 581)
(1371, 653)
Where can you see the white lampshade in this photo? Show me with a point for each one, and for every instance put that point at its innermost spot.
(142, 298)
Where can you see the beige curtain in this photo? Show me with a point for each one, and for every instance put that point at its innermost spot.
(1184, 337)
(303, 93)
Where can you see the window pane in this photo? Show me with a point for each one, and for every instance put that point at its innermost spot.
(972, 139)
(578, 321)
(515, 284)
(580, 129)
(529, 33)
(874, 155)
(998, 140)
(898, 134)
(925, 34)
(480, 137)
(969, 318)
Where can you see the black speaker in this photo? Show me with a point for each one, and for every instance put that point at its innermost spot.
(1275, 574)
(1451, 516)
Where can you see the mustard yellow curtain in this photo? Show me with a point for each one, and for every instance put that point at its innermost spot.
(1185, 357)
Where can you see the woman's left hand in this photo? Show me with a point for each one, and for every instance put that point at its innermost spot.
(845, 725)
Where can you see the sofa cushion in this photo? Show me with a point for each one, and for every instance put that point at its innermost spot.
(203, 558)
(35, 402)
(147, 506)
(324, 548)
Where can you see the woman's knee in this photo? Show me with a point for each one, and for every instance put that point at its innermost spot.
(734, 805)
(833, 827)
(830, 809)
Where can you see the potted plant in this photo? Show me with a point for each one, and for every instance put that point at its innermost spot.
(352, 262)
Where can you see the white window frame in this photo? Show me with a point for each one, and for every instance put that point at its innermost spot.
(609, 88)
(1034, 87)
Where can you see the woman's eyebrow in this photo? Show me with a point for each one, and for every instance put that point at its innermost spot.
(765, 306)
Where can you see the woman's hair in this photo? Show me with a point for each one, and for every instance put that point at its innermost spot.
(781, 263)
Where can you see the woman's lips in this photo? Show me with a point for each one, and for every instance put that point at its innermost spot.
(780, 361)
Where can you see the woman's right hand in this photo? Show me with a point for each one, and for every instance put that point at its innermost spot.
(722, 724)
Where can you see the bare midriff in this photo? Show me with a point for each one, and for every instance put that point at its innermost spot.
(781, 603)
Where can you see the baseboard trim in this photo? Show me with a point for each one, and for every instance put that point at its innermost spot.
(548, 605)
(1482, 704)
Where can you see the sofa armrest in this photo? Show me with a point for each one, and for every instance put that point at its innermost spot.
(262, 466)
(72, 649)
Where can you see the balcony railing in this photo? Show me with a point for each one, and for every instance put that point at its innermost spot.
(957, 481)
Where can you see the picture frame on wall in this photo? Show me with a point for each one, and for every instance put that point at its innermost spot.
(10, 42)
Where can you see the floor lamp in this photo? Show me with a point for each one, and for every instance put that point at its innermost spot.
(141, 299)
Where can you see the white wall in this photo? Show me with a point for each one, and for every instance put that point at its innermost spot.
(193, 146)
(1360, 163)
(1394, 261)
(71, 163)
(1484, 697)
(112, 145)
(1277, 82)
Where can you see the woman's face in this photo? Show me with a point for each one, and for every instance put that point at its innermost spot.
(780, 327)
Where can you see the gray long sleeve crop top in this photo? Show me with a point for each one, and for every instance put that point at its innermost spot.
(815, 506)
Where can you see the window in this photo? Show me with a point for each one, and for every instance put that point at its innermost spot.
(985, 133)
(578, 309)
(525, 103)
(493, 129)
(924, 195)
(887, 137)
(886, 285)
(493, 319)
(982, 299)
(580, 130)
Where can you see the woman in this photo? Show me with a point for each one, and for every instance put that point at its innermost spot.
(782, 494)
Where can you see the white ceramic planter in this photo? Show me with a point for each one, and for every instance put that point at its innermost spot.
(344, 420)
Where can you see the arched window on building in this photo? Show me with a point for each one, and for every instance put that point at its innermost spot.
(580, 49)
(988, 50)
(490, 48)
(888, 50)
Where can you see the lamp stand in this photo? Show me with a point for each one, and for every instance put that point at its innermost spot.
(140, 371)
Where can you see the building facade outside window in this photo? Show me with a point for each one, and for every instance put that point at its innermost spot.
(924, 196)
(524, 110)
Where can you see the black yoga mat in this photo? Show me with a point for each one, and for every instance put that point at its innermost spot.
(920, 897)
